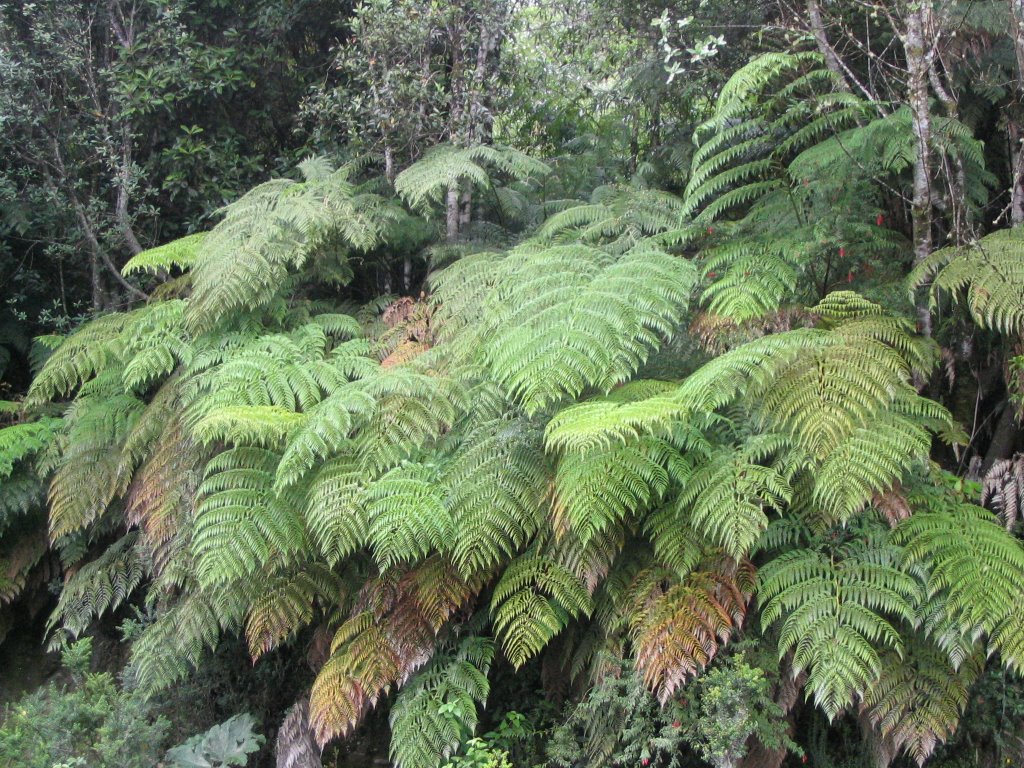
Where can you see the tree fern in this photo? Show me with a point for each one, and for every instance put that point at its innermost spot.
(278, 225)
(988, 273)
(838, 609)
(532, 602)
(447, 166)
(437, 709)
(919, 698)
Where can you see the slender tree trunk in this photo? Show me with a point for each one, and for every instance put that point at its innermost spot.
(124, 219)
(918, 65)
(1014, 130)
(97, 282)
(821, 39)
(452, 217)
(1015, 134)
(465, 209)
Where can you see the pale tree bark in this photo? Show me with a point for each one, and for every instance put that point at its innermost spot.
(817, 25)
(845, 75)
(1015, 131)
(452, 213)
(469, 116)
(919, 53)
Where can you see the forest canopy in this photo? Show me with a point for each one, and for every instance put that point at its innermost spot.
(565, 383)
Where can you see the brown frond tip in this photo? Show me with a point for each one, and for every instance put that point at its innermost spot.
(677, 629)
(409, 331)
(296, 746)
(17, 562)
(1003, 489)
(892, 504)
(717, 333)
(391, 634)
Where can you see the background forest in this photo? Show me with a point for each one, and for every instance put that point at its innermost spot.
(500, 384)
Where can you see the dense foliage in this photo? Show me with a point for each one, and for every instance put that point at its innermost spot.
(613, 355)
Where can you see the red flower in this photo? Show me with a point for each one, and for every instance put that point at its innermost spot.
(646, 761)
(849, 276)
(879, 220)
(842, 252)
(676, 724)
(803, 759)
(712, 275)
(711, 230)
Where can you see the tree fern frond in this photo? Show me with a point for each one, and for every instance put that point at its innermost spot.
(835, 612)
(285, 606)
(988, 273)
(436, 710)
(447, 166)
(677, 629)
(99, 586)
(976, 566)
(919, 697)
(599, 488)
(568, 318)
(240, 524)
(180, 253)
(242, 263)
(533, 602)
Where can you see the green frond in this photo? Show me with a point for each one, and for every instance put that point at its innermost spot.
(21, 441)
(81, 356)
(495, 486)
(335, 510)
(240, 524)
(623, 216)
(919, 697)
(266, 426)
(276, 227)
(534, 601)
(90, 474)
(447, 166)
(98, 587)
(569, 318)
(437, 709)
(180, 253)
(725, 498)
(407, 516)
(156, 345)
(987, 274)
(977, 568)
(837, 612)
(598, 488)
(175, 644)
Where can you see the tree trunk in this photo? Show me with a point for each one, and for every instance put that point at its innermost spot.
(821, 39)
(452, 217)
(918, 66)
(1014, 129)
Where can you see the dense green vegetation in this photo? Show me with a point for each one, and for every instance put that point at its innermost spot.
(491, 385)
